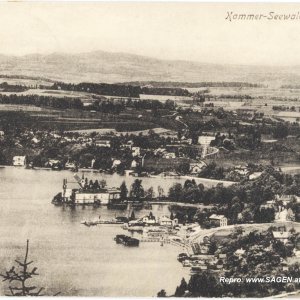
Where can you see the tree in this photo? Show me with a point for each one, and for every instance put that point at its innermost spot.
(183, 168)
(132, 216)
(137, 190)
(102, 183)
(150, 193)
(264, 215)
(281, 249)
(96, 185)
(176, 192)
(180, 290)
(21, 277)
(290, 215)
(162, 293)
(212, 248)
(160, 191)
(172, 216)
(280, 131)
(235, 209)
(123, 191)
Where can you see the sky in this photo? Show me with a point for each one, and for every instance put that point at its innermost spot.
(184, 31)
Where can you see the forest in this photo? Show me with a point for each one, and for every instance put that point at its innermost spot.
(120, 90)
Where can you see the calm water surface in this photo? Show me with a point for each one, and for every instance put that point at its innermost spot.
(72, 258)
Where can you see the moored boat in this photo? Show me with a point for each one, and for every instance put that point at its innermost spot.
(120, 206)
(127, 240)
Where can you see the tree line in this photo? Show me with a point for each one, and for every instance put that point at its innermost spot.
(40, 101)
(120, 90)
(171, 84)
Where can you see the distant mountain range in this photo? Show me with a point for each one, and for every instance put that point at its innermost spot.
(100, 66)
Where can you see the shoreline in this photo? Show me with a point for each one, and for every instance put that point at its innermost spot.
(208, 180)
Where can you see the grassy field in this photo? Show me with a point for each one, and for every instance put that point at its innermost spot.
(25, 81)
(163, 164)
(11, 107)
(53, 93)
(72, 119)
(112, 130)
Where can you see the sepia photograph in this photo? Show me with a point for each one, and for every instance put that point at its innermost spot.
(150, 149)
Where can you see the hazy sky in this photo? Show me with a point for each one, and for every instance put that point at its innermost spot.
(193, 31)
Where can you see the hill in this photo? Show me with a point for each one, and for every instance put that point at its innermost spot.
(100, 66)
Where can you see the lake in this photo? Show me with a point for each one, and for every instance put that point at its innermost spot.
(74, 259)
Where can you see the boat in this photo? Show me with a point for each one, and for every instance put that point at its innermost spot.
(182, 257)
(111, 222)
(133, 228)
(90, 223)
(127, 240)
(122, 219)
(119, 238)
(56, 167)
(117, 220)
(120, 206)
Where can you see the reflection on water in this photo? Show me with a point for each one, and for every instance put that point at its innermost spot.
(73, 258)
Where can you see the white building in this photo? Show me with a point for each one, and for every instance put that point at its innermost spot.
(52, 162)
(128, 145)
(218, 220)
(239, 252)
(195, 168)
(242, 170)
(134, 164)
(136, 151)
(70, 165)
(35, 140)
(116, 162)
(166, 221)
(103, 143)
(205, 140)
(169, 155)
(128, 172)
(19, 161)
(102, 198)
(145, 220)
(287, 198)
(254, 175)
(281, 236)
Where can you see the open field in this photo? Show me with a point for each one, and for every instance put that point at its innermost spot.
(112, 130)
(12, 107)
(255, 92)
(53, 93)
(72, 119)
(25, 81)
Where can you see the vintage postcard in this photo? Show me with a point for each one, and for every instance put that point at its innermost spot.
(150, 149)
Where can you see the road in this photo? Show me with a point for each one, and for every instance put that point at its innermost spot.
(208, 232)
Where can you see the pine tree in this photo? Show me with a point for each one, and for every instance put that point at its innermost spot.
(181, 289)
(172, 216)
(162, 293)
(132, 217)
(137, 190)
(20, 277)
(123, 191)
